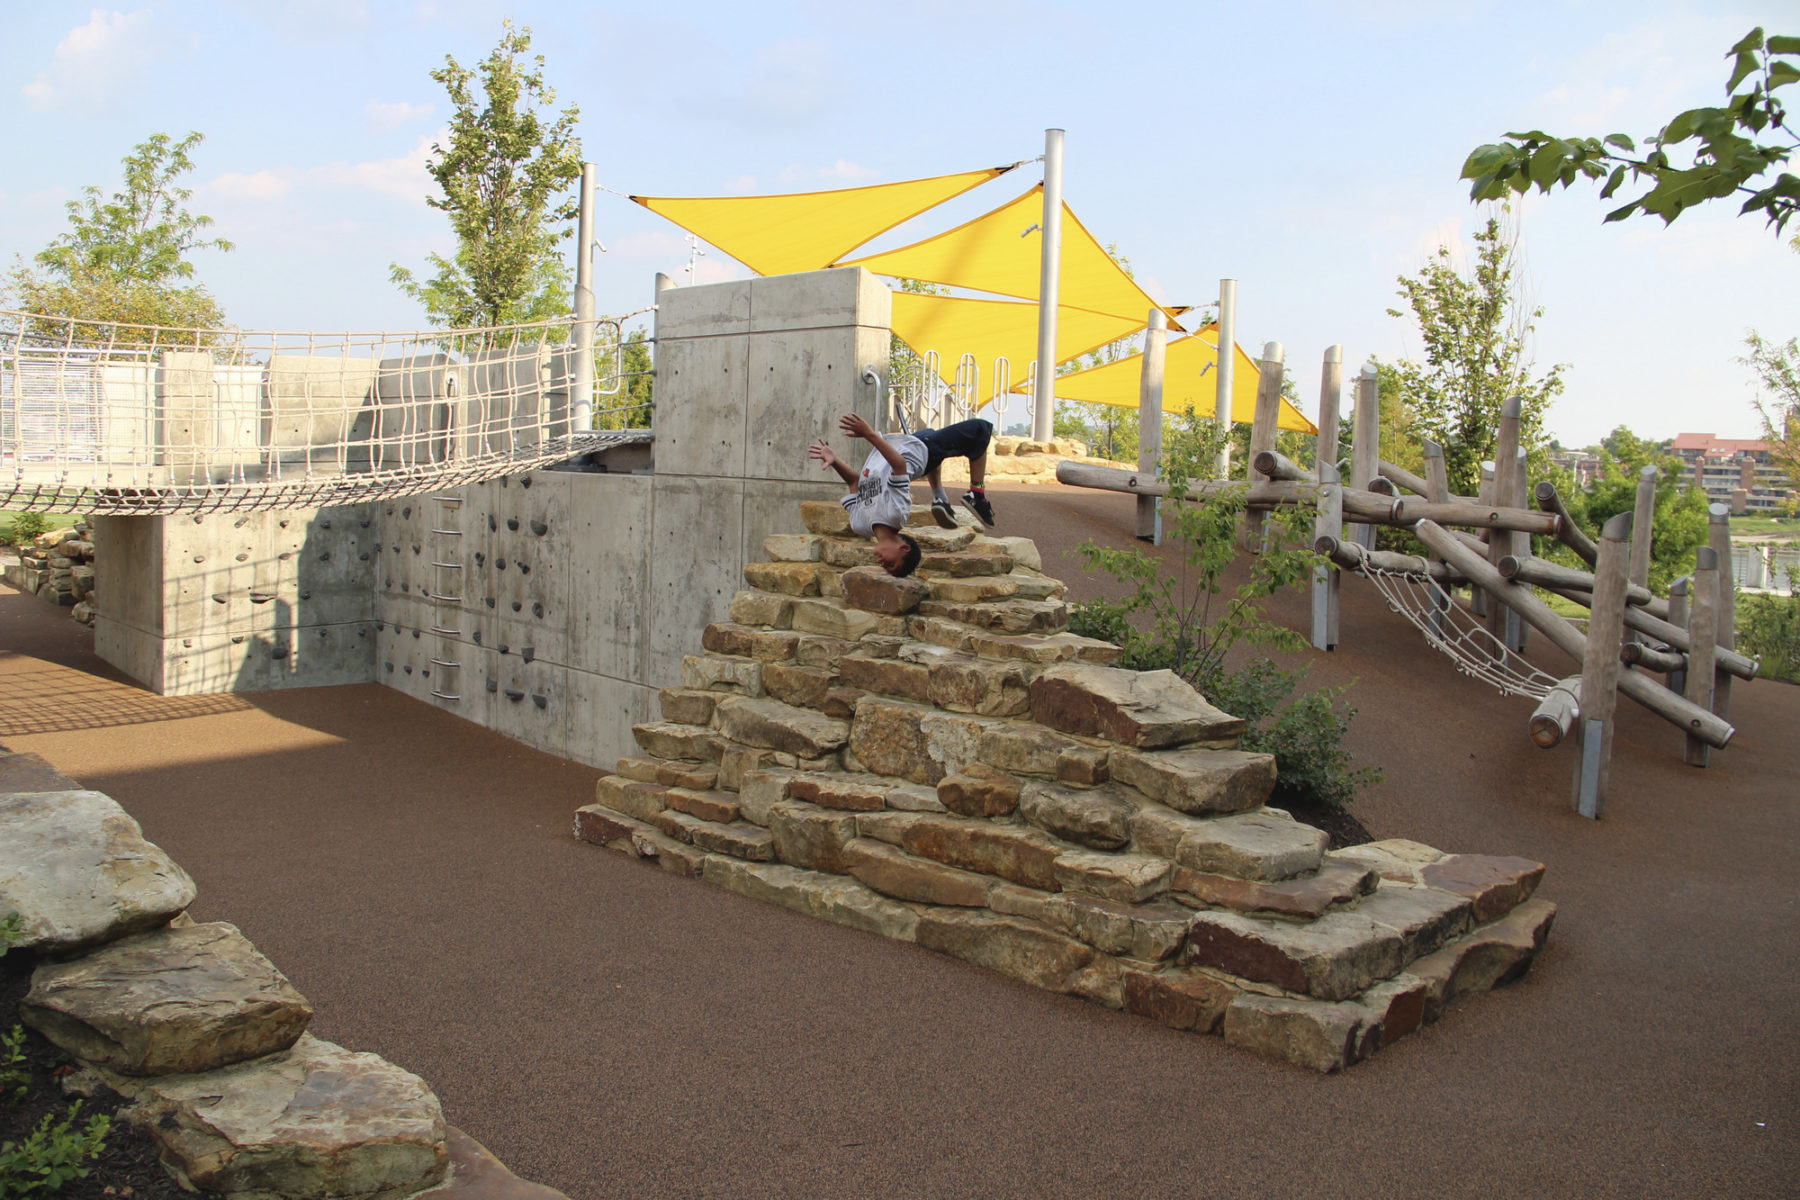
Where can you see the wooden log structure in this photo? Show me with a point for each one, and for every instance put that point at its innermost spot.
(1545, 573)
(1662, 659)
(1503, 623)
(1262, 436)
(1273, 464)
(1354, 556)
(1570, 532)
(1601, 671)
(1478, 516)
(1416, 484)
(1437, 490)
(1557, 713)
(1689, 717)
(1364, 506)
(1703, 634)
(1678, 617)
(1326, 583)
(1718, 536)
(1365, 450)
(1740, 665)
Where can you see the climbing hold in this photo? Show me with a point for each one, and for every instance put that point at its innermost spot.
(322, 633)
(363, 557)
(415, 547)
(284, 556)
(260, 597)
(415, 633)
(218, 597)
(514, 695)
(517, 606)
(478, 637)
(405, 512)
(502, 647)
(199, 558)
(540, 701)
(381, 627)
(480, 558)
(525, 482)
(539, 528)
(499, 564)
(512, 523)
(408, 668)
(390, 512)
(244, 557)
(322, 524)
(528, 653)
(492, 686)
(524, 568)
(238, 640)
(325, 557)
(492, 524)
(390, 666)
(306, 595)
(490, 602)
(278, 652)
(242, 521)
(406, 587)
(365, 524)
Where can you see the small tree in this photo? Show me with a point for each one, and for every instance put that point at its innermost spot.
(503, 176)
(1678, 525)
(1777, 367)
(1475, 330)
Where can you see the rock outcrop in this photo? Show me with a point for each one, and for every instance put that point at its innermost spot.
(938, 760)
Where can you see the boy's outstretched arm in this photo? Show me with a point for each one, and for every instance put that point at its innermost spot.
(825, 454)
(857, 427)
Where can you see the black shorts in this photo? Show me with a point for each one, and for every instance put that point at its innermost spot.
(965, 439)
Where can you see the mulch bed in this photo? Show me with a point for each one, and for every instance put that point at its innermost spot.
(128, 1166)
(1343, 828)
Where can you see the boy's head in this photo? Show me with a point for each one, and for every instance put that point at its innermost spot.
(899, 557)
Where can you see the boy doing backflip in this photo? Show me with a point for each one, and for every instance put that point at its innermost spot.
(879, 506)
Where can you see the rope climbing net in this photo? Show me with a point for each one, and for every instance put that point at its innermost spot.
(115, 418)
(1456, 632)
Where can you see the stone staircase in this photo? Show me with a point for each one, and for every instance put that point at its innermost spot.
(935, 759)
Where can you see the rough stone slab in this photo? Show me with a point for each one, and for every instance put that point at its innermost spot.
(1032, 586)
(669, 855)
(719, 673)
(80, 872)
(1012, 946)
(739, 840)
(914, 798)
(844, 792)
(978, 790)
(888, 676)
(316, 1120)
(707, 805)
(759, 791)
(1332, 958)
(938, 540)
(475, 1174)
(910, 741)
(894, 873)
(783, 578)
(1003, 616)
(1015, 853)
(1485, 958)
(1127, 878)
(1252, 845)
(736, 761)
(1178, 999)
(1032, 750)
(1494, 884)
(665, 739)
(1323, 1037)
(1198, 781)
(746, 641)
(812, 837)
(1148, 932)
(171, 1001)
(1009, 899)
(677, 825)
(1335, 882)
(965, 683)
(830, 618)
(1145, 709)
(974, 590)
(1099, 817)
(1392, 1010)
(849, 553)
(630, 797)
(874, 590)
(600, 826)
(642, 768)
(30, 773)
(802, 687)
(792, 547)
(685, 706)
(841, 702)
(1022, 550)
(695, 777)
(772, 725)
(936, 631)
(889, 827)
(1424, 917)
(1394, 858)
(1044, 648)
(964, 563)
(762, 608)
(829, 897)
(813, 650)
(825, 517)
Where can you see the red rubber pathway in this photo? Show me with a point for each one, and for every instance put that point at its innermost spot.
(614, 1031)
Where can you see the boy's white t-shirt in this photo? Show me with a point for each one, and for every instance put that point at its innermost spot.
(882, 497)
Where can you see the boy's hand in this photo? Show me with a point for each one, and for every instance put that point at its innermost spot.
(826, 456)
(855, 426)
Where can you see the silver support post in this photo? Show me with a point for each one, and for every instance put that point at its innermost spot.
(1043, 419)
(581, 404)
(1224, 365)
(1150, 423)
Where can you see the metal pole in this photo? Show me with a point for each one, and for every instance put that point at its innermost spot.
(581, 404)
(1226, 361)
(1150, 411)
(1049, 280)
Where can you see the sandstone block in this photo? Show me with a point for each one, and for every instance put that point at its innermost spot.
(669, 855)
(1485, 958)
(934, 539)
(1010, 945)
(914, 798)
(80, 872)
(718, 673)
(665, 739)
(841, 702)
(1394, 858)
(1149, 932)
(1331, 958)
(825, 517)
(813, 650)
(1003, 616)
(1335, 882)
(1424, 917)
(1320, 1036)
(1145, 709)
(640, 800)
(686, 707)
(677, 825)
(772, 725)
(1099, 817)
(601, 826)
(1127, 878)
(1198, 781)
(759, 792)
(734, 761)
(762, 608)
(893, 873)
(874, 590)
(1252, 845)
(889, 827)
(792, 547)
(849, 553)
(30, 773)
(475, 1174)
(829, 897)
(1392, 1010)
(978, 791)
(876, 645)
(1495, 885)
(1045, 648)
(739, 839)
(888, 676)
(642, 768)
(937, 631)
(974, 590)
(746, 641)
(706, 805)
(811, 837)
(1015, 853)
(963, 563)
(1009, 899)
(803, 687)
(965, 683)
(910, 742)
(1031, 750)
(831, 618)
(695, 777)
(1180, 1000)
(171, 1001)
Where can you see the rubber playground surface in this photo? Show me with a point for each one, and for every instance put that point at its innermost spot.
(613, 1031)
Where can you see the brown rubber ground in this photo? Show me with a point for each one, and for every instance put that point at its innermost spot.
(613, 1031)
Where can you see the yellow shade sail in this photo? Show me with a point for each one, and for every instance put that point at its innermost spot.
(988, 254)
(805, 231)
(996, 329)
(1188, 382)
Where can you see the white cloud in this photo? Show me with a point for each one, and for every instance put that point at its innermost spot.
(258, 185)
(404, 177)
(93, 64)
(382, 116)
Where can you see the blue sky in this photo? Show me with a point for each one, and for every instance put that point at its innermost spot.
(1309, 150)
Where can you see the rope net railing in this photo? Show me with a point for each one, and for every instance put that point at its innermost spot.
(115, 418)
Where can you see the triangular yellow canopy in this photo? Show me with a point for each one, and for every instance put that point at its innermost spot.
(805, 231)
(1184, 386)
(994, 329)
(988, 254)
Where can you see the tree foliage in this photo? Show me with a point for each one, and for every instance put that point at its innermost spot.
(1678, 524)
(504, 178)
(1777, 367)
(1735, 149)
(1475, 332)
(124, 259)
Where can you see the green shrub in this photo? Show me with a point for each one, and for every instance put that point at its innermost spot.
(24, 527)
(1768, 628)
(56, 1153)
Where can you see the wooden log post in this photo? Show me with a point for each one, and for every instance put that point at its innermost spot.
(1437, 491)
(1503, 623)
(1521, 538)
(1678, 615)
(1331, 400)
(1328, 525)
(1570, 533)
(1600, 669)
(1478, 597)
(1365, 452)
(1150, 423)
(1262, 436)
(1718, 536)
(1557, 713)
(1643, 518)
(1653, 658)
(1703, 639)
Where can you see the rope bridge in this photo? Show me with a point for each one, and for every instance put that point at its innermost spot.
(121, 419)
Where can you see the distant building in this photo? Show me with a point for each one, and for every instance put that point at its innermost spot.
(1585, 467)
(1734, 471)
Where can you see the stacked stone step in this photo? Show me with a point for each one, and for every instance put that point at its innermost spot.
(58, 566)
(937, 760)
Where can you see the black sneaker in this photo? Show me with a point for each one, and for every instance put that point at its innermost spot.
(978, 505)
(943, 514)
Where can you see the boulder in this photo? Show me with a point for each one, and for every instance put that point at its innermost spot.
(978, 790)
(79, 871)
(173, 1001)
(874, 590)
(1489, 956)
(894, 873)
(1099, 817)
(829, 897)
(1145, 709)
(1012, 946)
(475, 1174)
(1015, 853)
(1198, 781)
(1252, 845)
(1494, 884)
(1127, 878)
(30, 773)
(772, 725)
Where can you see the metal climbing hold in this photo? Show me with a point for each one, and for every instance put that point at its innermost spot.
(539, 528)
